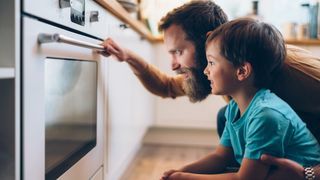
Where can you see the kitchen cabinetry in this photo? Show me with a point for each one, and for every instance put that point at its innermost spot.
(9, 90)
(130, 106)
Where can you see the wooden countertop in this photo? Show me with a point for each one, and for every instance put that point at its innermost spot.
(304, 42)
(116, 9)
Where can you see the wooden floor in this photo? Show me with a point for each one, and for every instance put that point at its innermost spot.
(152, 160)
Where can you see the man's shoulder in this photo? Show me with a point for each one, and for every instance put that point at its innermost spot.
(303, 61)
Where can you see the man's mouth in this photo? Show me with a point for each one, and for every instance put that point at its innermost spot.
(183, 73)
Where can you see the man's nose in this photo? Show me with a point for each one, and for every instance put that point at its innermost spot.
(175, 65)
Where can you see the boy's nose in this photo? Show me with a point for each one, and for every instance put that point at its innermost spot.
(205, 71)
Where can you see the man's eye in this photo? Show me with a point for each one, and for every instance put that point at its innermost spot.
(177, 52)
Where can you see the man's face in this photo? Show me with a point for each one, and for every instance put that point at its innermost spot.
(183, 57)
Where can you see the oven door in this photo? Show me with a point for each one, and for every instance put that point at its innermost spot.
(63, 99)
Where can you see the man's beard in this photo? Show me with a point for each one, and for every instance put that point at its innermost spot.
(196, 86)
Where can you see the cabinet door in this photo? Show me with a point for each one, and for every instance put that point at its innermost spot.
(130, 106)
(98, 175)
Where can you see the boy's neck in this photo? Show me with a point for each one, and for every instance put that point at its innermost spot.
(244, 96)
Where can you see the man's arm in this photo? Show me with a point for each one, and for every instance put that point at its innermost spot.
(317, 171)
(154, 80)
(286, 168)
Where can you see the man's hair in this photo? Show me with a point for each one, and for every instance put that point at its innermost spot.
(196, 18)
(248, 40)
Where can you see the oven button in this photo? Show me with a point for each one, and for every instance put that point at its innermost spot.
(94, 16)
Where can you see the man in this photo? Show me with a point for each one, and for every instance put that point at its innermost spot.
(185, 28)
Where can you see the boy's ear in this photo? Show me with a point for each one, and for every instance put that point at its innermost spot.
(244, 71)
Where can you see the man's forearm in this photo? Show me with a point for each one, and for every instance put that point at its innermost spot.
(154, 80)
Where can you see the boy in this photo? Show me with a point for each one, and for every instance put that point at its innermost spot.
(242, 56)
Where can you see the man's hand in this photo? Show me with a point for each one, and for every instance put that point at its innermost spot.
(284, 168)
(111, 48)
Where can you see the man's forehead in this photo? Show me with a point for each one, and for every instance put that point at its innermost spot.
(175, 32)
(175, 38)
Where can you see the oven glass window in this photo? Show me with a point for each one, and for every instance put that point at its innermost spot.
(71, 113)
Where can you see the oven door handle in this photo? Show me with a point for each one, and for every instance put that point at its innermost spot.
(49, 38)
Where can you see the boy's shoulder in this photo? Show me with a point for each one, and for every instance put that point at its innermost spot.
(268, 105)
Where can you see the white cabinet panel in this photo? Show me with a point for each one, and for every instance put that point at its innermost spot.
(98, 175)
(130, 105)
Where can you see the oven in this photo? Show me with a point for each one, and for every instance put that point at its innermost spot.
(63, 85)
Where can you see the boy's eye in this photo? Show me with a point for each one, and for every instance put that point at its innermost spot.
(210, 63)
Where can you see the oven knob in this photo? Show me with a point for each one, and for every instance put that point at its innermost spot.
(94, 16)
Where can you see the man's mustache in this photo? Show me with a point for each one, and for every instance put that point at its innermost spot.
(183, 70)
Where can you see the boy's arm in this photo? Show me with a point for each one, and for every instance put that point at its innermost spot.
(215, 162)
(249, 170)
(152, 78)
(210, 164)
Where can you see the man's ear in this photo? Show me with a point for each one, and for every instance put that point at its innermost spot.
(244, 71)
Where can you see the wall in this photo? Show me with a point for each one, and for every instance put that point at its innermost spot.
(277, 12)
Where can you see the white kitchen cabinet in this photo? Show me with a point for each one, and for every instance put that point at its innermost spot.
(98, 175)
(10, 90)
(130, 106)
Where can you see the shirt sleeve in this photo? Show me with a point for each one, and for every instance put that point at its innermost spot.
(158, 82)
(267, 134)
(225, 138)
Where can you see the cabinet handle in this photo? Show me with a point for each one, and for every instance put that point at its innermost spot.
(49, 38)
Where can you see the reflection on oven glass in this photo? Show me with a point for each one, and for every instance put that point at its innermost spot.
(71, 100)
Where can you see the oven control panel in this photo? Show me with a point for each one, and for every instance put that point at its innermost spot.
(83, 15)
(77, 14)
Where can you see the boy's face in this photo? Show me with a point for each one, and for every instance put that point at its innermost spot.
(183, 57)
(220, 72)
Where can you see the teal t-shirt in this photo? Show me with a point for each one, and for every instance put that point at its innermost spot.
(269, 126)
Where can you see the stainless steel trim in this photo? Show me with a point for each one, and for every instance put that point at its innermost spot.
(49, 38)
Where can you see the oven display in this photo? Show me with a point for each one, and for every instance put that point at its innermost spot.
(70, 113)
(77, 11)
